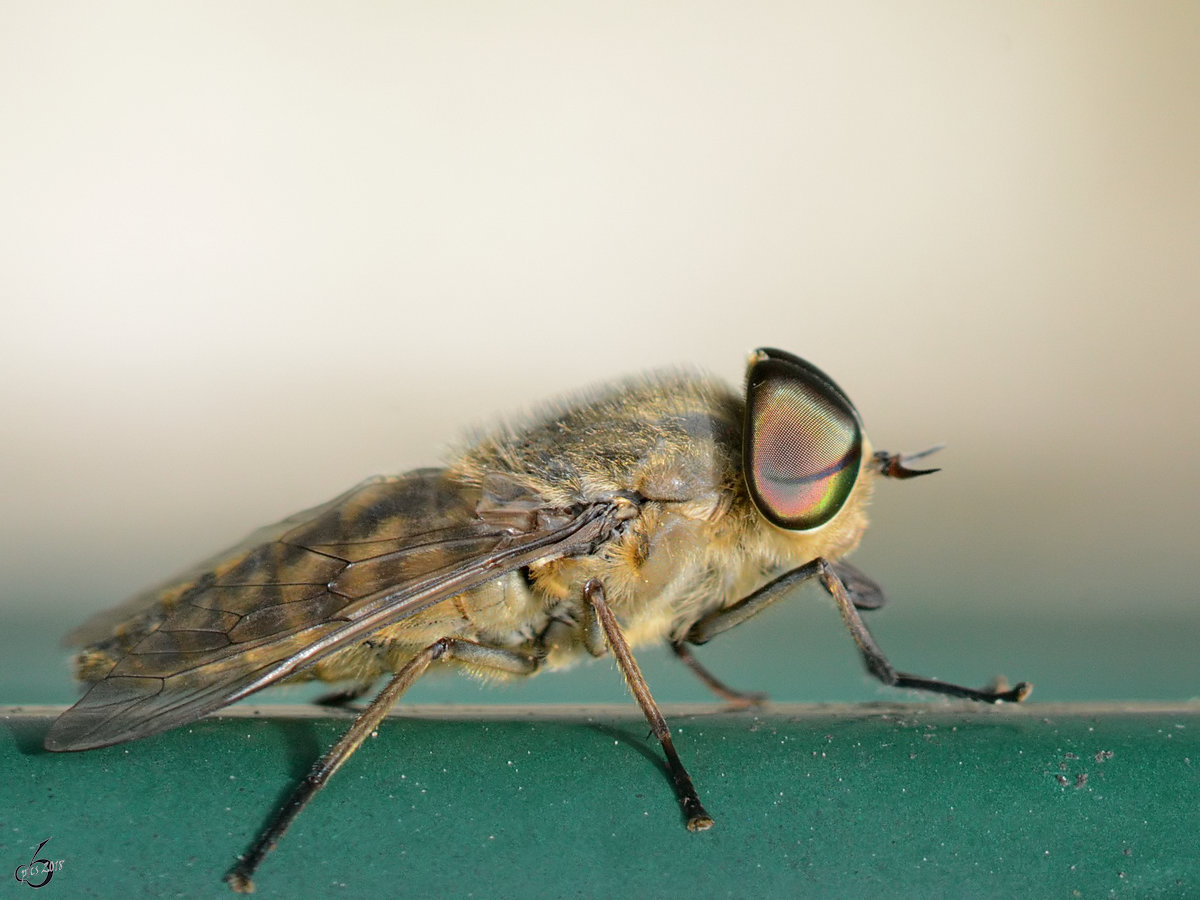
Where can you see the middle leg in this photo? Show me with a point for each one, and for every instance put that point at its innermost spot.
(694, 813)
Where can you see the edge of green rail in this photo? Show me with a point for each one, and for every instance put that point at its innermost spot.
(905, 799)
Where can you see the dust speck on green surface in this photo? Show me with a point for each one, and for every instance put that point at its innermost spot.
(927, 801)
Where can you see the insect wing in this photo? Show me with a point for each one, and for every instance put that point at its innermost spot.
(381, 553)
(101, 626)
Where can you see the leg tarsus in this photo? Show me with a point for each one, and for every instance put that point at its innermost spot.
(735, 698)
(997, 692)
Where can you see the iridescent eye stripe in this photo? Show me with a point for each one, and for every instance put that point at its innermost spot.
(807, 501)
(834, 469)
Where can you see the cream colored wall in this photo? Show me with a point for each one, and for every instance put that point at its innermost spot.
(250, 253)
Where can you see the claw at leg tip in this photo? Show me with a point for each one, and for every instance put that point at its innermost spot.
(240, 883)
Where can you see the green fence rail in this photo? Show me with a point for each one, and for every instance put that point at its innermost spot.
(849, 801)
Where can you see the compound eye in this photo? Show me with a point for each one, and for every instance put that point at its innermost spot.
(803, 442)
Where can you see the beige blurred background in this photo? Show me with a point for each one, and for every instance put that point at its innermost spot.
(252, 253)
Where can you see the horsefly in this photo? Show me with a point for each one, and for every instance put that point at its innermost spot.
(667, 508)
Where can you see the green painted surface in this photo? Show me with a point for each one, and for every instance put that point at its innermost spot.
(912, 800)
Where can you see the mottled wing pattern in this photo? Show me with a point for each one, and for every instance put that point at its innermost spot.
(101, 626)
(380, 553)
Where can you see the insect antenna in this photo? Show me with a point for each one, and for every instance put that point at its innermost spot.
(896, 465)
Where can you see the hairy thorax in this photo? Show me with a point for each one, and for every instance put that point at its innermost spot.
(696, 544)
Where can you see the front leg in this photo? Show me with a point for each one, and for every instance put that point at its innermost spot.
(877, 664)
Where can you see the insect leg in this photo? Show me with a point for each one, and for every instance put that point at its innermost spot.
(693, 810)
(879, 666)
(751, 605)
(724, 619)
(739, 699)
(240, 877)
(594, 634)
(567, 630)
